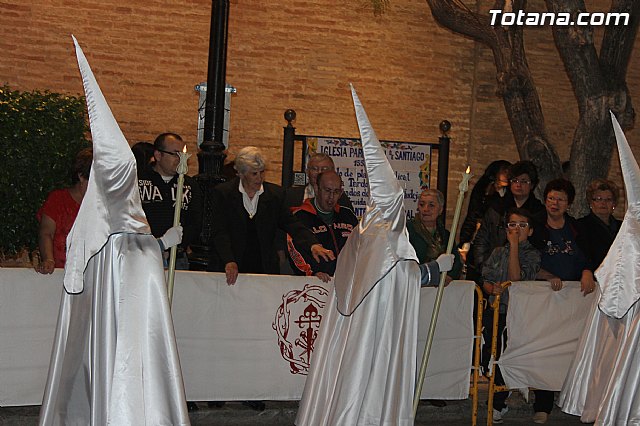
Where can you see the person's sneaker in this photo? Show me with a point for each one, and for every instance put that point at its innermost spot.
(540, 417)
(497, 415)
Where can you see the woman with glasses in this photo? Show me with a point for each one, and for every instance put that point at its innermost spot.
(564, 257)
(599, 226)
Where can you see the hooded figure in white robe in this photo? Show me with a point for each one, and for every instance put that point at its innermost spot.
(603, 383)
(363, 368)
(114, 358)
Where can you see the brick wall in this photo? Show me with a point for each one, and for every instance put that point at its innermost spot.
(409, 72)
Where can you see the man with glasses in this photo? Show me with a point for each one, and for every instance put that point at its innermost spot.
(318, 163)
(158, 185)
(330, 222)
(523, 178)
(294, 196)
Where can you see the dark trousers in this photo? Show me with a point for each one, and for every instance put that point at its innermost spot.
(499, 398)
(544, 401)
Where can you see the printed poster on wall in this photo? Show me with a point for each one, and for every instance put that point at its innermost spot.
(410, 161)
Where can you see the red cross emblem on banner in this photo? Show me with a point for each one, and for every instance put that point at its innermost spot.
(297, 322)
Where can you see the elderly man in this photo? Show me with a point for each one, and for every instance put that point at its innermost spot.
(318, 163)
(330, 222)
(294, 196)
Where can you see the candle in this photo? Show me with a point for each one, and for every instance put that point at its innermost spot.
(463, 188)
(182, 169)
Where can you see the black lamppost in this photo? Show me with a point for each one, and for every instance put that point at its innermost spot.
(288, 148)
(443, 164)
(211, 156)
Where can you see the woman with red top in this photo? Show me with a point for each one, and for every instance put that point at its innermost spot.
(59, 211)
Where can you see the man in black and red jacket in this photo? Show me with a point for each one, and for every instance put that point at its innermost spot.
(330, 222)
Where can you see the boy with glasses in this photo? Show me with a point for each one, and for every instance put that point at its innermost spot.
(523, 178)
(517, 260)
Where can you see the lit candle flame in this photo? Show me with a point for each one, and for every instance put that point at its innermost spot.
(185, 151)
(468, 169)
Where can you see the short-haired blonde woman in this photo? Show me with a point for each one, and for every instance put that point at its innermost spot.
(247, 211)
(599, 226)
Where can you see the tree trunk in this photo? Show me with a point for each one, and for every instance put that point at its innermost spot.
(515, 84)
(599, 86)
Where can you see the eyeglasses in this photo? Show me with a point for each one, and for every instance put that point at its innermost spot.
(522, 181)
(331, 191)
(601, 199)
(320, 169)
(175, 153)
(558, 199)
(514, 225)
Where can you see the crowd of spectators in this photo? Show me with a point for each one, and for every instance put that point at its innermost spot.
(519, 238)
(260, 227)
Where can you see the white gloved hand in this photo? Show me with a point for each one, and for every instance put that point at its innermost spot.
(172, 237)
(445, 262)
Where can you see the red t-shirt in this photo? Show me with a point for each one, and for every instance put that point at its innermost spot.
(63, 209)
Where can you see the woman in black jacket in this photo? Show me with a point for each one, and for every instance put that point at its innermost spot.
(599, 226)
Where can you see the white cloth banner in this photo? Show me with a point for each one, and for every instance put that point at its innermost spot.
(543, 328)
(244, 342)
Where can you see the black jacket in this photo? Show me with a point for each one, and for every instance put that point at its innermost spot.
(598, 236)
(158, 203)
(231, 222)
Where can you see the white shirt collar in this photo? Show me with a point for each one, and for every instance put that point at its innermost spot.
(250, 204)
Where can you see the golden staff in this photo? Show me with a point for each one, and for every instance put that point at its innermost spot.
(464, 186)
(182, 169)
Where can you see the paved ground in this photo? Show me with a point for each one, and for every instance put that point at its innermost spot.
(279, 413)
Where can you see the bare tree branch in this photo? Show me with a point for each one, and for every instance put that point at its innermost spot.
(459, 18)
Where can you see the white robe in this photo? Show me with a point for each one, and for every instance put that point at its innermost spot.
(603, 383)
(363, 369)
(364, 365)
(114, 358)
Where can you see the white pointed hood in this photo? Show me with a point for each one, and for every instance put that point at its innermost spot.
(380, 241)
(619, 274)
(112, 202)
